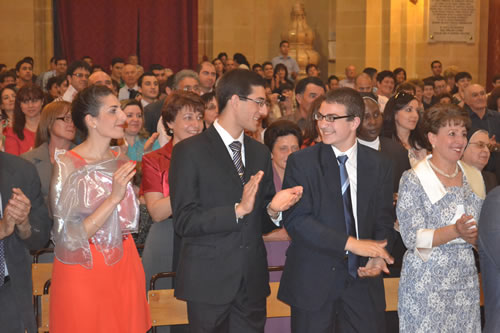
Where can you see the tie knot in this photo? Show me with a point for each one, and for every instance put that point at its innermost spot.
(342, 159)
(235, 146)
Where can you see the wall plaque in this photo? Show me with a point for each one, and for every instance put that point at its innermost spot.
(452, 21)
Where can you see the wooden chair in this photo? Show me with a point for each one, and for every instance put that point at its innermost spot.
(45, 306)
(40, 274)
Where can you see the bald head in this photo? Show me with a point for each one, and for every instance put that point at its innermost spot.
(475, 97)
(350, 72)
(101, 79)
(363, 83)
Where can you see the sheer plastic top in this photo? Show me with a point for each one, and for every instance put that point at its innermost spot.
(77, 190)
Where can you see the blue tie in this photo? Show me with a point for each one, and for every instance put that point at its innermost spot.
(350, 226)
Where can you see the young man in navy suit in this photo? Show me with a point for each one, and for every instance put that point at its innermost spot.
(223, 199)
(341, 226)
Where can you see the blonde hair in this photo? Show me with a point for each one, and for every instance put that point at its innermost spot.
(48, 117)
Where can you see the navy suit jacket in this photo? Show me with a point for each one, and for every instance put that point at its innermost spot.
(217, 253)
(315, 266)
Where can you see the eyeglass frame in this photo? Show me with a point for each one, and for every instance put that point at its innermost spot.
(259, 103)
(66, 116)
(318, 117)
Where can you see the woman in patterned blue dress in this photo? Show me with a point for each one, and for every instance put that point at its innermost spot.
(439, 203)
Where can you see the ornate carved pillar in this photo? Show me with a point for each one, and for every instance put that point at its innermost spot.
(44, 34)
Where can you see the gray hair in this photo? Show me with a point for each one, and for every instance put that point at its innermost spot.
(181, 75)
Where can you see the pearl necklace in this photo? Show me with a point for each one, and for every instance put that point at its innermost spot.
(442, 173)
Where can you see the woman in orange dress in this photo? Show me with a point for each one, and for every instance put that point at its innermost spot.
(98, 281)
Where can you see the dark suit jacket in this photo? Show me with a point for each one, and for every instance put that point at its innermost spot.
(217, 253)
(489, 248)
(398, 155)
(16, 172)
(315, 267)
(152, 113)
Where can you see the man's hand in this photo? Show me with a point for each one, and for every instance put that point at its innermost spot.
(284, 199)
(16, 214)
(373, 268)
(369, 248)
(248, 198)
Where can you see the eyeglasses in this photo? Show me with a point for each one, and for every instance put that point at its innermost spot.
(329, 117)
(195, 89)
(259, 102)
(67, 118)
(81, 75)
(481, 144)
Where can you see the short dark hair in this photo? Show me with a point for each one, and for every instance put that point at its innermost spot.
(463, 75)
(200, 65)
(384, 74)
(241, 59)
(178, 100)
(117, 60)
(222, 54)
(370, 71)
(254, 66)
(86, 57)
(2, 66)
(60, 79)
(350, 99)
(443, 95)
(496, 77)
(208, 97)
(429, 82)
(50, 83)
(438, 78)
(77, 64)
(88, 101)
(236, 82)
(59, 58)
(436, 62)
(139, 82)
(302, 84)
(265, 63)
(283, 42)
(332, 77)
(21, 62)
(309, 66)
(7, 74)
(281, 128)
(156, 67)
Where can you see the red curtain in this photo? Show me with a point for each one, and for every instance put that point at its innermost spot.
(493, 64)
(169, 33)
(101, 29)
(164, 32)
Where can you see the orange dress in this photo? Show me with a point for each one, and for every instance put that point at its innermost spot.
(101, 299)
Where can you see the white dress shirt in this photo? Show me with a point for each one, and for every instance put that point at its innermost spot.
(375, 144)
(124, 93)
(228, 139)
(352, 172)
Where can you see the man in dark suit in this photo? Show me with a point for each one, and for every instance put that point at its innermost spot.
(24, 226)
(222, 190)
(340, 227)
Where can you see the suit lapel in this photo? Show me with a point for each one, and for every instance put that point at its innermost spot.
(366, 175)
(331, 175)
(251, 159)
(221, 154)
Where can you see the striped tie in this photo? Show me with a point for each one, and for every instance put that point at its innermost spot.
(352, 259)
(238, 162)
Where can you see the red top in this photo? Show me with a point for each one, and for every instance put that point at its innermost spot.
(15, 146)
(155, 166)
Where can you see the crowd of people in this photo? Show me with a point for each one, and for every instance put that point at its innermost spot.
(225, 170)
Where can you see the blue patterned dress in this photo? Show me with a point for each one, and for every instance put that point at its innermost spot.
(442, 293)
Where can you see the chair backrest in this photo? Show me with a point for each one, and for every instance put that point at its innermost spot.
(391, 286)
(40, 274)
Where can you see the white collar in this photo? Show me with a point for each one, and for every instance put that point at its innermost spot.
(435, 189)
(225, 136)
(351, 152)
(375, 144)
